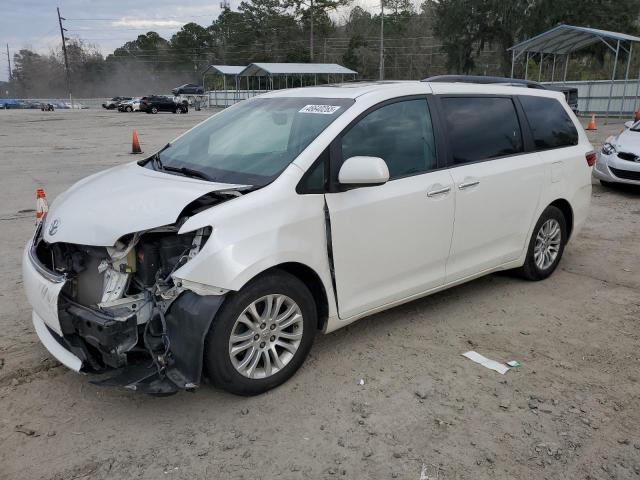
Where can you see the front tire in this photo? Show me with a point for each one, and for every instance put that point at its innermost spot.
(261, 335)
(546, 245)
(154, 110)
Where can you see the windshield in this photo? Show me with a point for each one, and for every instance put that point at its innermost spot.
(252, 142)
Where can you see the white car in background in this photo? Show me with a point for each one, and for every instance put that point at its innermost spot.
(132, 105)
(619, 159)
(301, 211)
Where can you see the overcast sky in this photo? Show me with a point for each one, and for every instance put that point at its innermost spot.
(107, 24)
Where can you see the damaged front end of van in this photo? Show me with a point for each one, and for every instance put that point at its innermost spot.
(104, 279)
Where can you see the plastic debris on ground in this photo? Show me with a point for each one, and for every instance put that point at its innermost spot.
(501, 368)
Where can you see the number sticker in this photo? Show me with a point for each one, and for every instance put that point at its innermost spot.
(321, 109)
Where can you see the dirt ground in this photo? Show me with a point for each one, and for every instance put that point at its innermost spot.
(572, 410)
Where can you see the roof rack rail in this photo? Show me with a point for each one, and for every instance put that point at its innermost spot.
(516, 82)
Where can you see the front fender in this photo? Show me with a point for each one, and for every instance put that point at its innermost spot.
(258, 231)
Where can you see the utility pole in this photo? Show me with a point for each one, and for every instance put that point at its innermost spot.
(64, 51)
(9, 61)
(381, 39)
(311, 35)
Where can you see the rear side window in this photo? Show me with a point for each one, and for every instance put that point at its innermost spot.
(550, 125)
(481, 128)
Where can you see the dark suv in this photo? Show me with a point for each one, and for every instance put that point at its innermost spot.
(158, 103)
(188, 89)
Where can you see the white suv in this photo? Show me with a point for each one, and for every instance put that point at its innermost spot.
(298, 211)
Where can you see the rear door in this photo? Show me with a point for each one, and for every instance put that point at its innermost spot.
(390, 242)
(167, 104)
(497, 178)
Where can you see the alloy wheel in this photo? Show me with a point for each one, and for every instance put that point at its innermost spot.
(547, 244)
(266, 336)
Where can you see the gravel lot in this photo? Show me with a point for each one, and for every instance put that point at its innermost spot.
(572, 410)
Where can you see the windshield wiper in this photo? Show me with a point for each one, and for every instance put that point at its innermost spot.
(187, 172)
(154, 158)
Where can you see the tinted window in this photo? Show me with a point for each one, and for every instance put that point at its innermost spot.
(315, 180)
(481, 128)
(550, 125)
(400, 133)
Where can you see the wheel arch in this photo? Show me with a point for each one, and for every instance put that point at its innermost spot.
(565, 207)
(312, 280)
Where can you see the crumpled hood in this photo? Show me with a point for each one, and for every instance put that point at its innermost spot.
(628, 141)
(103, 207)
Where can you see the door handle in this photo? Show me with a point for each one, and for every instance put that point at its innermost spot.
(439, 191)
(464, 185)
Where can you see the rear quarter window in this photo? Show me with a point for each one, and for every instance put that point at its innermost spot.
(550, 124)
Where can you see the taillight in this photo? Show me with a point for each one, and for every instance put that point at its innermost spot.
(591, 158)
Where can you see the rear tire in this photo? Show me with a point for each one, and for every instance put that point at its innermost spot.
(154, 110)
(546, 245)
(280, 340)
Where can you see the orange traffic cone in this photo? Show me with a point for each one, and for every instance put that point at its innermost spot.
(135, 143)
(592, 123)
(42, 207)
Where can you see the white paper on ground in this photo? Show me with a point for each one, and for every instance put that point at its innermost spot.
(484, 361)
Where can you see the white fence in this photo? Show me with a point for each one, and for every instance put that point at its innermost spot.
(593, 96)
(214, 98)
(226, 98)
(61, 102)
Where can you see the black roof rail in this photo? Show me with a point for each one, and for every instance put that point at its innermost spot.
(481, 79)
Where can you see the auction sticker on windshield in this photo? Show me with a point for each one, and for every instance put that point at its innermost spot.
(322, 109)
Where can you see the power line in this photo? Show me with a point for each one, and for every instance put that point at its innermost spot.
(124, 18)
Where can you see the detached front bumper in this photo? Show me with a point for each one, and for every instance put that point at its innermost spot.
(610, 168)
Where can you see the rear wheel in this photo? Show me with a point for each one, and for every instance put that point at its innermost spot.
(129, 109)
(262, 334)
(154, 110)
(546, 245)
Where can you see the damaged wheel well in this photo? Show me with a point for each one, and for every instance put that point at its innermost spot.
(311, 279)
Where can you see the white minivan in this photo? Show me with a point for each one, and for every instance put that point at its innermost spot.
(295, 212)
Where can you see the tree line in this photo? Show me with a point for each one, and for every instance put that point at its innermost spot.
(436, 37)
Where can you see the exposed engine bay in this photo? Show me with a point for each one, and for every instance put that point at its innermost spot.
(121, 308)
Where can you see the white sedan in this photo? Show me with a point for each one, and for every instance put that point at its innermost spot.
(619, 160)
(132, 105)
(301, 211)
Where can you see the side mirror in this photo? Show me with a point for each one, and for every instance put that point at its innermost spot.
(363, 171)
(628, 124)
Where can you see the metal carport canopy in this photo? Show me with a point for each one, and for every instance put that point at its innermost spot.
(227, 69)
(268, 69)
(565, 39)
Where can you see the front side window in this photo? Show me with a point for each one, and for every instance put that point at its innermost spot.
(481, 128)
(254, 141)
(400, 133)
(550, 125)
